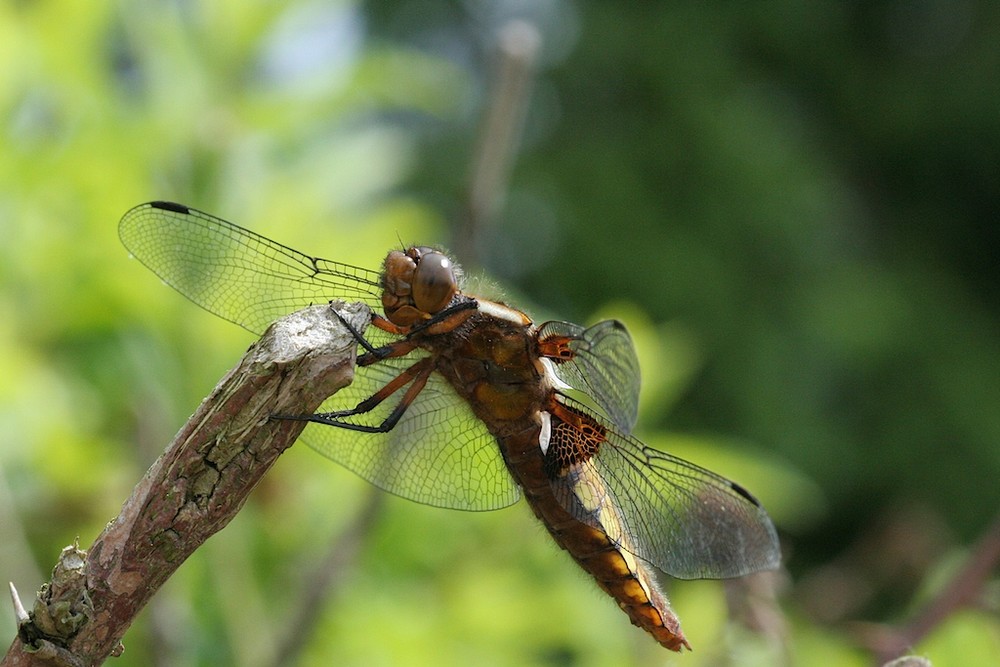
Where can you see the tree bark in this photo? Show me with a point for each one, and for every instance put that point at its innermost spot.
(192, 491)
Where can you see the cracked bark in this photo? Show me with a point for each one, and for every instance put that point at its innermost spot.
(192, 491)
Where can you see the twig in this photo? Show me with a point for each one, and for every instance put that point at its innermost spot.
(753, 604)
(962, 590)
(326, 579)
(191, 492)
(518, 46)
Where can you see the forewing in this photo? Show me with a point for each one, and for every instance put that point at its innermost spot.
(238, 275)
(438, 454)
(604, 366)
(685, 520)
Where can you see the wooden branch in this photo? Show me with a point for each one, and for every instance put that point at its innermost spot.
(961, 591)
(192, 491)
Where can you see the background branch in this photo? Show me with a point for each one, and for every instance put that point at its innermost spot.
(961, 591)
(326, 579)
(192, 491)
(518, 43)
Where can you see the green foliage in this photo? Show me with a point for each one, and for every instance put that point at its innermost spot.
(792, 206)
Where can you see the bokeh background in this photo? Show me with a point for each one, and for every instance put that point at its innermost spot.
(793, 206)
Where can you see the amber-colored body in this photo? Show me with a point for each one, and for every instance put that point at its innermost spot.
(495, 364)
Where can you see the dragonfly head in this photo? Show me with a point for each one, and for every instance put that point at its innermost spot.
(417, 284)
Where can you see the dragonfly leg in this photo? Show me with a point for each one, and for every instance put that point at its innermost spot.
(447, 319)
(416, 375)
(442, 322)
(373, 354)
(362, 341)
(394, 349)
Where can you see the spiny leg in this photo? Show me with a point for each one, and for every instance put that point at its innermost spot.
(373, 354)
(458, 312)
(441, 322)
(416, 375)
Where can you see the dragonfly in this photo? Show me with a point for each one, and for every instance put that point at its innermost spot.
(464, 402)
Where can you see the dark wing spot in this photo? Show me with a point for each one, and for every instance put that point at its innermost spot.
(170, 206)
(743, 492)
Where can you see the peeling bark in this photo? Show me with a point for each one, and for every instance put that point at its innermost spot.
(192, 491)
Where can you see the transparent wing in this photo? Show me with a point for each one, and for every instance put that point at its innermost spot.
(438, 454)
(683, 519)
(604, 366)
(240, 276)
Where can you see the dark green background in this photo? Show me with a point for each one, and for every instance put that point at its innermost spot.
(793, 206)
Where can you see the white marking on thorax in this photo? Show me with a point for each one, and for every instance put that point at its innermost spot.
(501, 312)
(551, 378)
(545, 434)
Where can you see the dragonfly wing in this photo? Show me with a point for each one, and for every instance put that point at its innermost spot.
(240, 276)
(603, 365)
(683, 519)
(439, 453)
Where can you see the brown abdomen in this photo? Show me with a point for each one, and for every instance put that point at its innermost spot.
(629, 581)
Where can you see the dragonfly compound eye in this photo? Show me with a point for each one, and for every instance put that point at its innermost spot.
(434, 282)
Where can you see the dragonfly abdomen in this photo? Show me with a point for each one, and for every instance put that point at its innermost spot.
(621, 575)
